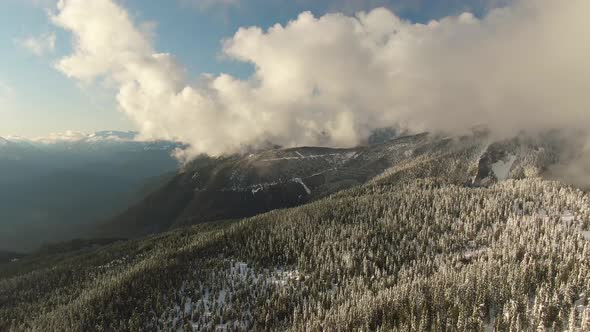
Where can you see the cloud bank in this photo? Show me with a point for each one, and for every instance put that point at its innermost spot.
(330, 80)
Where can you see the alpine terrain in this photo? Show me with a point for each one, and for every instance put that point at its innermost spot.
(421, 232)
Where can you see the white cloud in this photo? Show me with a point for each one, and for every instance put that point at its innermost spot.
(39, 45)
(206, 4)
(332, 79)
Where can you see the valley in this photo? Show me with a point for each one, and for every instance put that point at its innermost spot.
(55, 189)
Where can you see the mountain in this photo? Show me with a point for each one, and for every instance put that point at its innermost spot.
(14, 150)
(52, 188)
(420, 233)
(238, 186)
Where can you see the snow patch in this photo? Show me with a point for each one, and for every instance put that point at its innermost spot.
(199, 305)
(502, 168)
(567, 216)
(343, 156)
(257, 188)
(473, 253)
(298, 180)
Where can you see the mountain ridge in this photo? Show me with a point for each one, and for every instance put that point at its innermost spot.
(237, 186)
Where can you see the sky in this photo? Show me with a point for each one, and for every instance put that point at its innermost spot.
(36, 98)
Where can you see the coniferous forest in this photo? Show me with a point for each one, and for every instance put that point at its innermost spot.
(414, 249)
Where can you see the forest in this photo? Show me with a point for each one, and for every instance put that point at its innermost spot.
(412, 250)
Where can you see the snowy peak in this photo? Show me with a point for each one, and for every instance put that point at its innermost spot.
(113, 135)
(76, 137)
(81, 146)
(73, 141)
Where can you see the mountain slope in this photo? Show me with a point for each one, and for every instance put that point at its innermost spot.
(442, 239)
(422, 253)
(237, 186)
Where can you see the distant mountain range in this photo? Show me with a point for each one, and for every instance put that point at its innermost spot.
(52, 187)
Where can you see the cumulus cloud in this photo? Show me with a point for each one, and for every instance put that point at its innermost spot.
(330, 80)
(421, 8)
(39, 45)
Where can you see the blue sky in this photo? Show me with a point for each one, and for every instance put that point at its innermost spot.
(36, 99)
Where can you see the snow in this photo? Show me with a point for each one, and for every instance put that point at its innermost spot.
(221, 297)
(471, 253)
(579, 303)
(241, 268)
(281, 278)
(344, 156)
(567, 216)
(502, 168)
(117, 262)
(188, 306)
(257, 188)
(351, 155)
(198, 298)
(307, 190)
(15, 139)
(325, 171)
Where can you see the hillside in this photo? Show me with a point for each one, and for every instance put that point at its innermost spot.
(423, 246)
(237, 186)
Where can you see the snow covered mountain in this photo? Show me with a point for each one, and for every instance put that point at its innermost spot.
(239, 186)
(77, 141)
(421, 232)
